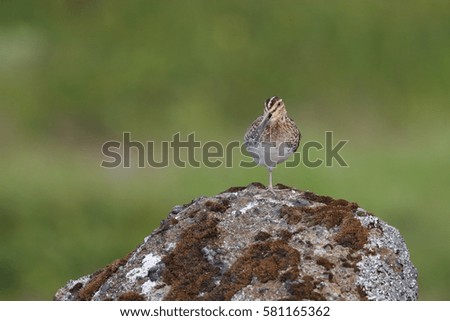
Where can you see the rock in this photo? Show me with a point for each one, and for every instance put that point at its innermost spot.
(246, 244)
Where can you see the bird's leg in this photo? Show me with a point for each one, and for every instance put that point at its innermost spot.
(270, 187)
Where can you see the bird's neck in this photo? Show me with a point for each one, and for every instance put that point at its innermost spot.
(278, 117)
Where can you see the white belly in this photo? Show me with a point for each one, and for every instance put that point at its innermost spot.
(269, 154)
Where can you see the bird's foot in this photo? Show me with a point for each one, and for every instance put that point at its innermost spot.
(270, 189)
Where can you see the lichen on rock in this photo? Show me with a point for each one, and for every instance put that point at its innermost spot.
(247, 244)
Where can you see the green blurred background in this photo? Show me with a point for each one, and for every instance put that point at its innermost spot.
(75, 74)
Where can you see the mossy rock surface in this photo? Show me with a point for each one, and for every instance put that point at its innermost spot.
(247, 244)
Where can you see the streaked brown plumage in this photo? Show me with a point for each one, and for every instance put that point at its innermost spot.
(272, 137)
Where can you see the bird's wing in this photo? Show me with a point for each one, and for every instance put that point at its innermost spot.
(297, 133)
(254, 132)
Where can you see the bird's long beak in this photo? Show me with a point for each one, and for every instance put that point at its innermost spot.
(263, 125)
(267, 116)
(266, 120)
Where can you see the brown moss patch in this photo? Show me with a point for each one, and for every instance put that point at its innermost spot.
(335, 213)
(262, 236)
(291, 214)
(77, 287)
(285, 235)
(362, 293)
(325, 263)
(317, 198)
(257, 185)
(340, 202)
(282, 186)
(99, 278)
(131, 296)
(262, 260)
(305, 290)
(217, 206)
(352, 234)
(328, 216)
(186, 269)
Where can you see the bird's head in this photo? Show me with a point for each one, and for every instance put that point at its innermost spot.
(274, 107)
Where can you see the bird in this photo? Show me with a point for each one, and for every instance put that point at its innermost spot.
(272, 137)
